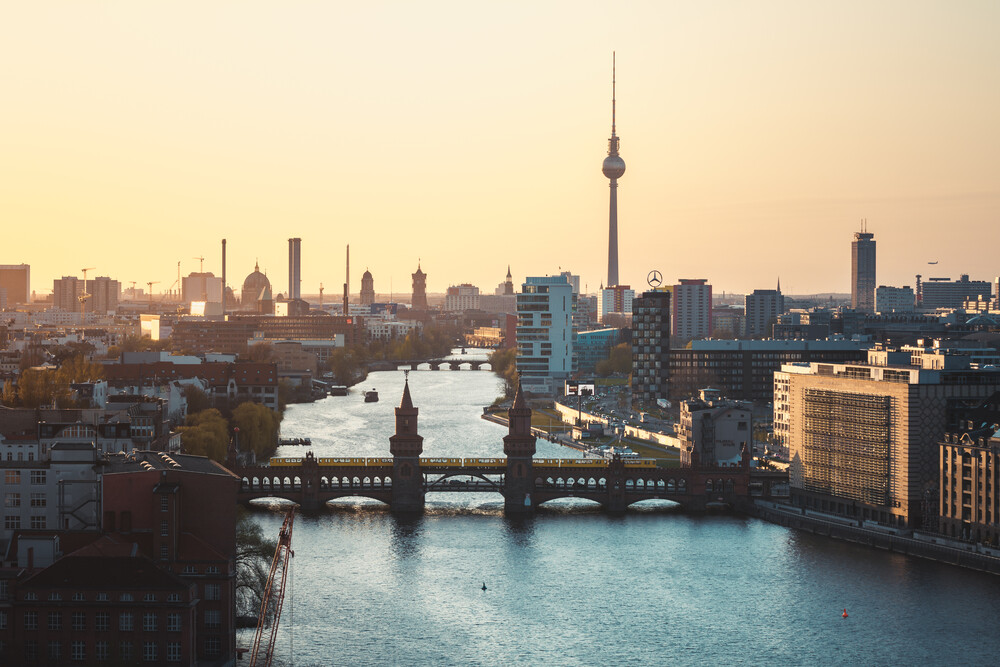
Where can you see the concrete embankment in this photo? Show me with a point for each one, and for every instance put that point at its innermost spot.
(924, 546)
(558, 439)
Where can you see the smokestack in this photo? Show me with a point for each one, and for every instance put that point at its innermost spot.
(347, 281)
(294, 268)
(223, 278)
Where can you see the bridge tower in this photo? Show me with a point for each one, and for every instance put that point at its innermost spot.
(519, 446)
(310, 482)
(406, 446)
(616, 485)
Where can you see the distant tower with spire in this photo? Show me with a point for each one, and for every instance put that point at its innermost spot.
(508, 284)
(419, 299)
(613, 168)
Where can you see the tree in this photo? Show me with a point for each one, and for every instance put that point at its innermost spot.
(206, 434)
(258, 426)
(8, 396)
(619, 361)
(197, 400)
(78, 369)
(504, 364)
(35, 387)
(253, 560)
(261, 353)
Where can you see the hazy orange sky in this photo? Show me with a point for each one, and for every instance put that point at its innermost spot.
(134, 135)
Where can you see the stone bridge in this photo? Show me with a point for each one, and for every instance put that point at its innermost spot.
(404, 479)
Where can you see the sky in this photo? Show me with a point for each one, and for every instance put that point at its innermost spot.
(467, 136)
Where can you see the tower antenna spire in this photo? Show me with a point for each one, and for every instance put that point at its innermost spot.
(613, 96)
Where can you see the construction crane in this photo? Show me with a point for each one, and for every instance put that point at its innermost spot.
(201, 265)
(274, 595)
(177, 283)
(150, 284)
(321, 295)
(83, 296)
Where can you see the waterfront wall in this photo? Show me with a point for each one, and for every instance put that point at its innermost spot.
(923, 546)
(569, 414)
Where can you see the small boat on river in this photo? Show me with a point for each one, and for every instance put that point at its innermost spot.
(371, 396)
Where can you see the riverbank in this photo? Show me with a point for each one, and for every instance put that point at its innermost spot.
(910, 543)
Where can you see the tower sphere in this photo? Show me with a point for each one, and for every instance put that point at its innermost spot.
(613, 166)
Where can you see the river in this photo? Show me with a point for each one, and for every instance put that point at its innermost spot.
(574, 586)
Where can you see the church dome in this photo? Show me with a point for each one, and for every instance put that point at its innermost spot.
(254, 284)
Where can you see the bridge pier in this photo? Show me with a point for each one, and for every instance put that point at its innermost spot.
(615, 503)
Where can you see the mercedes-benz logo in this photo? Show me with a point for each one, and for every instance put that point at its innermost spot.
(655, 278)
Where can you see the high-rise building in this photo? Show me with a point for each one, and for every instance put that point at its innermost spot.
(863, 438)
(692, 309)
(16, 279)
(613, 168)
(367, 288)
(614, 299)
(104, 293)
(461, 297)
(419, 299)
(66, 292)
(761, 311)
(201, 286)
(944, 293)
(650, 346)
(894, 299)
(573, 280)
(863, 271)
(294, 269)
(545, 333)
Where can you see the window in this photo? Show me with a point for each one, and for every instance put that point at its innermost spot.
(213, 592)
(31, 650)
(149, 622)
(79, 620)
(79, 650)
(149, 651)
(102, 621)
(12, 477)
(174, 597)
(149, 597)
(101, 650)
(53, 597)
(102, 597)
(12, 521)
(38, 522)
(173, 651)
(213, 647)
(31, 596)
(125, 651)
(12, 500)
(213, 620)
(37, 477)
(164, 529)
(79, 597)
(55, 651)
(125, 621)
(212, 569)
(164, 552)
(38, 500)
(173, 622)
(55, 620)
(164, 503)
(3, 620)
(190, 569)
(126, 597)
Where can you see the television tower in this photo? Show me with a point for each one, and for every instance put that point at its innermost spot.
(613, 168)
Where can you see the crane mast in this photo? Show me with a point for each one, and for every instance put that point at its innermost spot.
(274, 595)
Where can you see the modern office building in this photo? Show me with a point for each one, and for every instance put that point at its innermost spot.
(650, 346)
(863, 271)
(762, 309)
(894, 299)
(744, 369)
(614, 299)
(545, 333)
(864, 438)
(594, 346)
(692, 309)
(944, 293)
(16, 279)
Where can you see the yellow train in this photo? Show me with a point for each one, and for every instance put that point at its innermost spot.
(287, 462)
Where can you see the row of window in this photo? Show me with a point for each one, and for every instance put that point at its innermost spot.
(102, 621)
(14, 477)
(14, 500)
(104, 597)
(78, 651)
(13, 522)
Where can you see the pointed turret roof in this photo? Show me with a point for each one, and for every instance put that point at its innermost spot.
(519, 402)
(508, 272)
(406, 403)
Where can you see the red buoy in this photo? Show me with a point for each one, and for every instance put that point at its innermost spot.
(844, 615)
